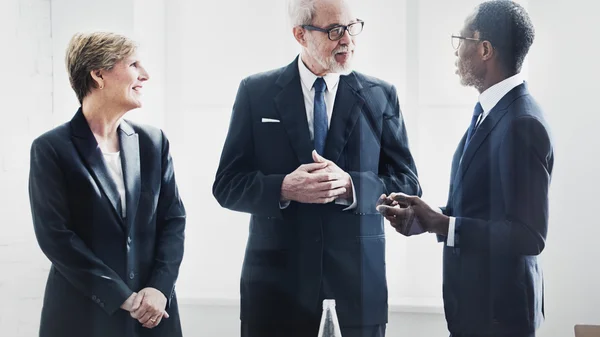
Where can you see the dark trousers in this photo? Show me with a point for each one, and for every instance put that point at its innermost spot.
(518, 335)
(307, 330)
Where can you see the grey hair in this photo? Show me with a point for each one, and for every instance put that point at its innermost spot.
(301, 12)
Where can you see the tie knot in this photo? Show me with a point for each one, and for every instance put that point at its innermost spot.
(478, 110)
(319, 84)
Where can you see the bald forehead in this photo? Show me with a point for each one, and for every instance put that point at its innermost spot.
(332, 12)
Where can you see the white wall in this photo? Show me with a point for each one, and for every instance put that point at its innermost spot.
(26, 111)
(564, 78)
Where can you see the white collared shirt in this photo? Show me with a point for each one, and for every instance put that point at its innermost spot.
(115, 169)
(488, 100)
(307, 79)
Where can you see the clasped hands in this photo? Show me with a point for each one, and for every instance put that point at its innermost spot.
(320, 182)
(147, 306)
(410, 215)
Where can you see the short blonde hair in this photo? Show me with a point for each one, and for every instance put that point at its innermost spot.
(94, 51)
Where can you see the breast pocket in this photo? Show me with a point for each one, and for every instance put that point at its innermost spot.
(272, 146)
(270, 134)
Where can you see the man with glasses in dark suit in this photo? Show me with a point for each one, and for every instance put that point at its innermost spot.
(310, 149)
(495, 223)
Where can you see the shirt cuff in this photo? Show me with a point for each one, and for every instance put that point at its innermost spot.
(353, 203)
(284, 204)
(450, 239)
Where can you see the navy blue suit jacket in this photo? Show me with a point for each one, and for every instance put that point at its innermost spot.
(297, 256)
(492, 282)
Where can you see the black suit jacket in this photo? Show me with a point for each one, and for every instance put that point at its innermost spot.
(98, 257)
(297, 256)
(492, 281)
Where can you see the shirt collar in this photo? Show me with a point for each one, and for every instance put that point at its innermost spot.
(489, 98)
(308, 78)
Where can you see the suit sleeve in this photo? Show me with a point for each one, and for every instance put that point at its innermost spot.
(527, 157)
(64, 248)
(171, 217)
(397, 169)
(238, 185)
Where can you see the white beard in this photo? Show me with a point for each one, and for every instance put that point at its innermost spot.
(329, 63)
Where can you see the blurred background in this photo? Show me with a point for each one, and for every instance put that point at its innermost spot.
(197, 52)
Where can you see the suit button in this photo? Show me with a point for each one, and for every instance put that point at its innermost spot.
(131, 275)
(94, 298)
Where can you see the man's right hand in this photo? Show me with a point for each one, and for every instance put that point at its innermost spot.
(312, 188)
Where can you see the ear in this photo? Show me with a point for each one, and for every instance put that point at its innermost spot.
(300, 35)
(487, 51)
(97, 76)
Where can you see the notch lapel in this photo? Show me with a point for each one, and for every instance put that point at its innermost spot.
(484, 130)
(90, 152)
(346, 110)
(478, 138)
(290, 105)
(130, 156)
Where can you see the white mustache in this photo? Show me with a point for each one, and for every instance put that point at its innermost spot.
(341, 49)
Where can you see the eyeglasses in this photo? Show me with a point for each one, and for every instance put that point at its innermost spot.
(457, 40)
(337, 32)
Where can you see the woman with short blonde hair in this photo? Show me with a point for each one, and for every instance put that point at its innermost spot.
(105, 205)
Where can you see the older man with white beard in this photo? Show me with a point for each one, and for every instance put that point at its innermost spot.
(310, 148)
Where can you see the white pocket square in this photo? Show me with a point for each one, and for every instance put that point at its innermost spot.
(270, 120)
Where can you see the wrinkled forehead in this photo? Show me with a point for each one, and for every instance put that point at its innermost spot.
(333, 12)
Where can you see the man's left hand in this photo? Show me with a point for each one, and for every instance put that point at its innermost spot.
(151, 309)
(333, 168)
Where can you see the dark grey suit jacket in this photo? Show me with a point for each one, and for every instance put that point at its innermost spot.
(99, 257)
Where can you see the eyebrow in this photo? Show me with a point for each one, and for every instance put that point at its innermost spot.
(333, 25)
(339, 24)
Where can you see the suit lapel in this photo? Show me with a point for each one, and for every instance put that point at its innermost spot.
(88, 149)
(290, 105)
(130, 155)
(456, 159)
(346, 110)
(484, 130)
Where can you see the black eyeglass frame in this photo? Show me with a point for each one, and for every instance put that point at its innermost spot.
(345, 28)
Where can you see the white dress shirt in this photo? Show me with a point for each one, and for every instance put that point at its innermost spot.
(488, 100)
(113, 162)
(307, 79)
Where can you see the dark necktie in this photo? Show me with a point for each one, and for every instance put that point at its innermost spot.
(476, 113)
(320, 116)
